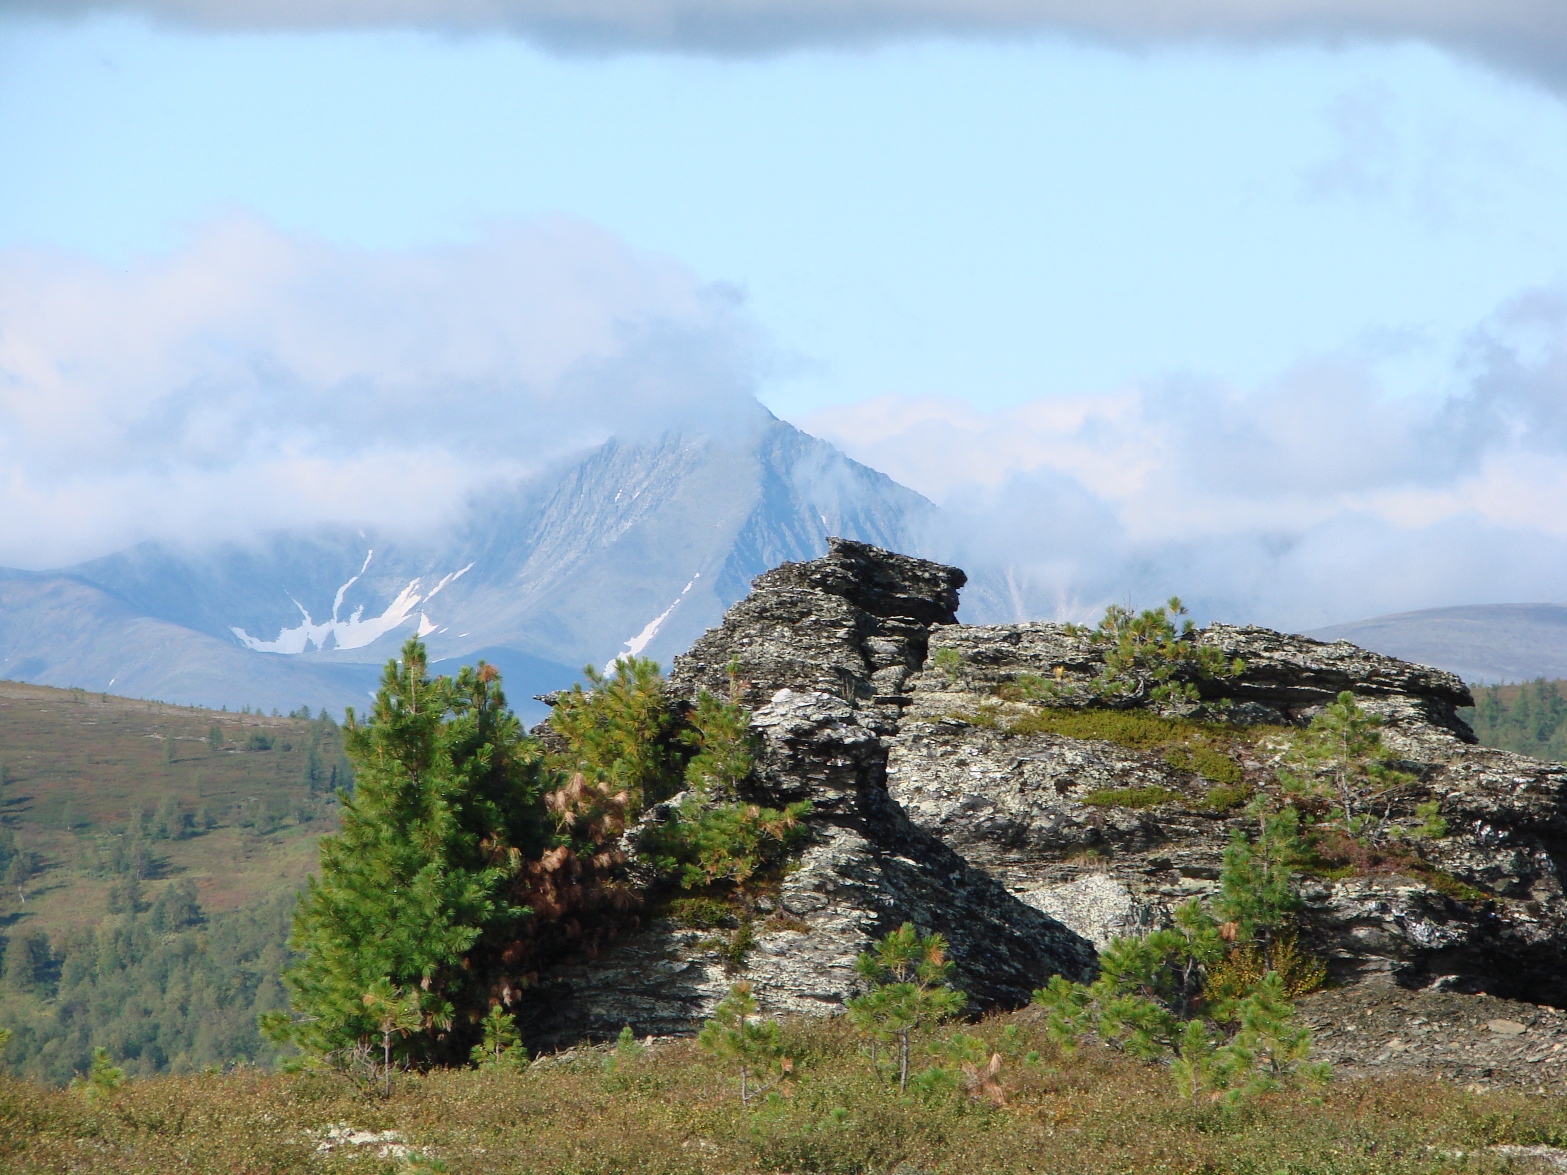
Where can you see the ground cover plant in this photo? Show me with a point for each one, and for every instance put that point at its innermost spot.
(671, 1109)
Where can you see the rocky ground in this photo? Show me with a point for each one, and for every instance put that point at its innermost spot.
(1477, 1040)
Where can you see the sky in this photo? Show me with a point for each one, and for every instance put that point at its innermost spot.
(1260, 302)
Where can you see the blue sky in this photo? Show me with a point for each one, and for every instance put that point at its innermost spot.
(1004, 239)
(986, 221)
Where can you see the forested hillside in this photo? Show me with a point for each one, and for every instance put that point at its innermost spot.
(150, 855)
(1530, 718)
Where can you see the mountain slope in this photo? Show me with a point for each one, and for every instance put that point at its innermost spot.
(635, 548)
(1482, 643)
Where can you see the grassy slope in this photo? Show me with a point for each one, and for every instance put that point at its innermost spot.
(671, 1110)
(100, 757)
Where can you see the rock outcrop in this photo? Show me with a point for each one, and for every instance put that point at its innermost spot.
(1480, 909)
(932, 804)
(821, 652)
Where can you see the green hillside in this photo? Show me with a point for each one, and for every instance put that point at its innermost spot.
(150, 855)
(1530, 718)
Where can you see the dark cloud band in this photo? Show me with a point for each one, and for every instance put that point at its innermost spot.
(1523, 35)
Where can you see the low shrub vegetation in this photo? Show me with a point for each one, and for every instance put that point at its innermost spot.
(1210, 750)
(672, 1110)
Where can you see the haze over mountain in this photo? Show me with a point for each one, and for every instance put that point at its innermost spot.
(635, 548)
(1484, 644)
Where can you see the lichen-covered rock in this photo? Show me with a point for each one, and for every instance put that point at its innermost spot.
(820, 652)
(854, 624)
(1098, 907)
(1481, 907)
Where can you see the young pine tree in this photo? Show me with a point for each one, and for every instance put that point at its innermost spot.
(103, 1077)
(416, 889)
(396, 1012)
(500, 1047)
(735, 1036)
(1256, 885)
(908, 987)
(619, 732)
(1340, 756)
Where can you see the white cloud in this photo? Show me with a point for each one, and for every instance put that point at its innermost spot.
(257, 379)
(1528, 35)
(1314, 499)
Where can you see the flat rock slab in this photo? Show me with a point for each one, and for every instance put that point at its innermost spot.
(1480, 1040)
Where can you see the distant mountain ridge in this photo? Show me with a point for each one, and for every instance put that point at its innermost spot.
(1483, 643)
(634, 548)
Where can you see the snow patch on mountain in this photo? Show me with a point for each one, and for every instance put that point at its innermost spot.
(639, 642)
(357, 631)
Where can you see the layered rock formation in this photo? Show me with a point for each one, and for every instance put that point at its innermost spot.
(1479, 909)
(939, 802)
(820, 651)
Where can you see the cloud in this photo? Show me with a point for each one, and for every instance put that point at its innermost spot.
(256, 379)
(1527, 35)
(1316, 498)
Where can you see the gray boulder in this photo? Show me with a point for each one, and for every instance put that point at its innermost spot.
(1016, 846)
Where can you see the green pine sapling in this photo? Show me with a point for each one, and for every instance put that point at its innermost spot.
(103, 1077)
(735, 1036)
(395, 1011)
(1155, 995)
(1256, 889)
(500, 1045)
(1340, 756)
(1147, 656)
(907, 974)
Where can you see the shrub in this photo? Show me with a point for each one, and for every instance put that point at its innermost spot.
(1340, 757)
(1147, 656)
(724, 842)
(1214, 766)
(1170, 992)
(720, 735)
(950, 664)
(1256, 890)
(701, 913)
(1228, 980)
(619, 732)
(103, 1077)
(500, 1045)
(1226, 798)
